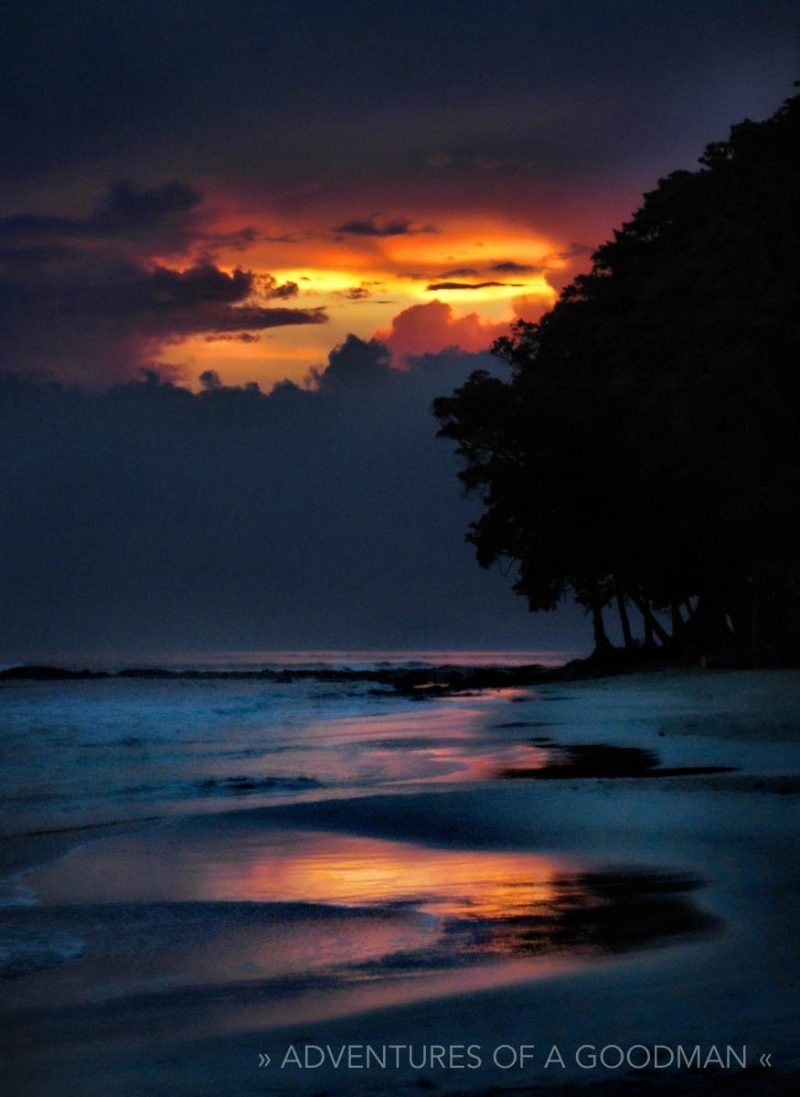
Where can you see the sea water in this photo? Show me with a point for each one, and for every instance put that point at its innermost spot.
(83, 752)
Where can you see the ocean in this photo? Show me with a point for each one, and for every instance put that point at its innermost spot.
(105, 750)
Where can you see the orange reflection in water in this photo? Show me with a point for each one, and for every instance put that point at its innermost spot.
(423, 922)
(317, 867)
(451, 743)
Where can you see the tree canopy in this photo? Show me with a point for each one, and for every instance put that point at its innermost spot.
(644, 448)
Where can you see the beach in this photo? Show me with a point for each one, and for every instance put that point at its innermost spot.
(310, 887)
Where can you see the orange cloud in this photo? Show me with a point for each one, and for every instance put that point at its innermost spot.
(423, 329)
(531, 306)
(418, 290)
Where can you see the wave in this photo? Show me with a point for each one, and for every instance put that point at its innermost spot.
(23, 951)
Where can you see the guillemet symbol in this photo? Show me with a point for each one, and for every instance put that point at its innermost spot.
(263, 1059)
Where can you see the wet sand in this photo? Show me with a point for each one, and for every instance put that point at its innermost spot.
(636, 883)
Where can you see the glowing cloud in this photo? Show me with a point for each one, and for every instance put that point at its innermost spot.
(369, 226)
(432, 327)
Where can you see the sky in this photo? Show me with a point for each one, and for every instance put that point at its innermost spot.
(205, 197)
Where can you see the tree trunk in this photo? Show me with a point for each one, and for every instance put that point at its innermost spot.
(711, 635)
(678, 625)
(642, 605)
(623, 615)
(601, 641)
(649, 636)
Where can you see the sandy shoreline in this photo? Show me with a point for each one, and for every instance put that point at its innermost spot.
(719, 850)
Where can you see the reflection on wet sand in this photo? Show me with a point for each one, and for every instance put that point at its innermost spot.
(333, 921)
(352, 870)
(321, 924)
(481, 903)
(456, 746)
(206, 863)
(219, 922)
(330, 923)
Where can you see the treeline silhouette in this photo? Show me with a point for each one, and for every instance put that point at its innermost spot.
(643, 455)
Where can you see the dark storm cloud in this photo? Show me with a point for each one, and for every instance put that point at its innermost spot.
(126, 212)
(169, 219)
(210, 380)
(168, 290)
(369, 226)
(161, 300)
(505, 267)
(269, 287)
(355, 366)
(238, 240)
(255, 317)
(575, 250)
(81, 298)
(460, 272)
(471, 285)
(509, 267)
(353, 293)
(238, 337)
(148, 517)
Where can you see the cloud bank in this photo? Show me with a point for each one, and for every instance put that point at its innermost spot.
(93, 298)
(147, 518)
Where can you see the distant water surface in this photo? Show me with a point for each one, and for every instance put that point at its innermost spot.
(277, 659)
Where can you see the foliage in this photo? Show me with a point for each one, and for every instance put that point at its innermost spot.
(644, 446)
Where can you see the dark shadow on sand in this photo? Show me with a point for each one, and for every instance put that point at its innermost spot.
(602, 760)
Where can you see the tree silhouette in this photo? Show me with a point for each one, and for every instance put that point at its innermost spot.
(643, 450)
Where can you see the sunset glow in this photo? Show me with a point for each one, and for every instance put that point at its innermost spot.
(487, 271)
